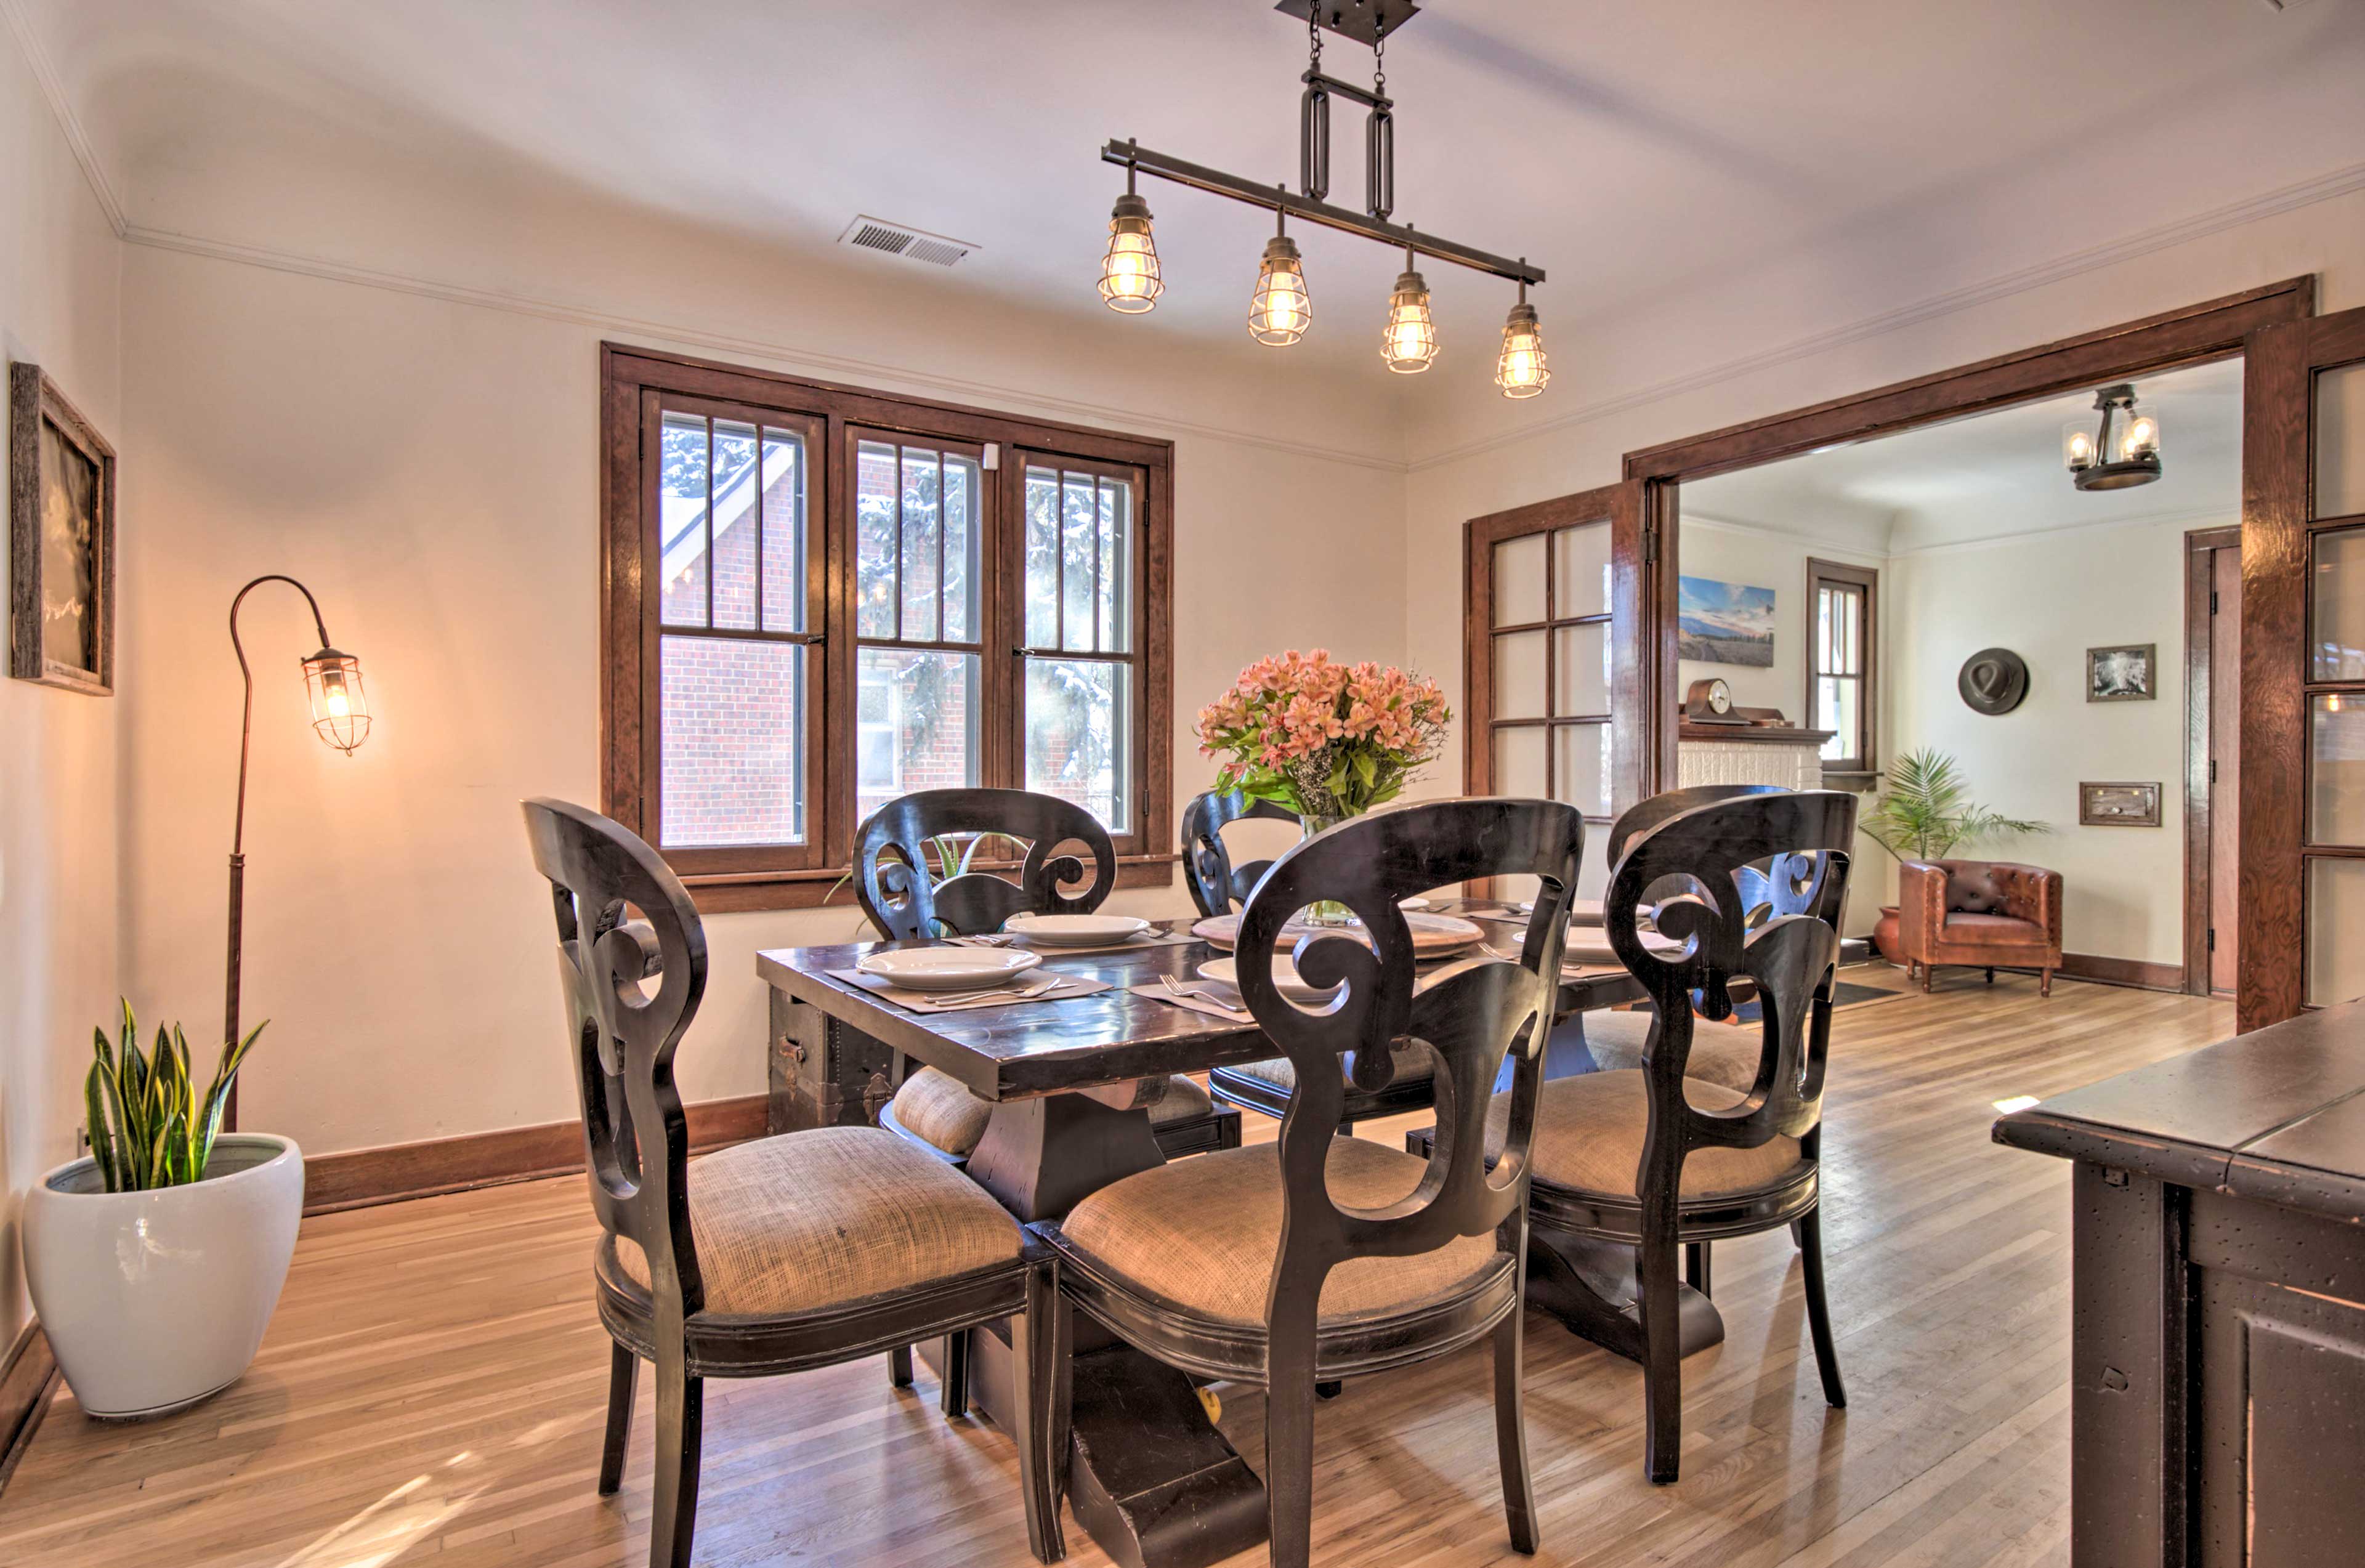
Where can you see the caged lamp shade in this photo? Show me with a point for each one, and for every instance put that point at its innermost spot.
(1280, 312)
(1408, 343)
(340, 715)
(1521, 370)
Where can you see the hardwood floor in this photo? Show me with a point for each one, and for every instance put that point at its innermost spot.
(432, 1388)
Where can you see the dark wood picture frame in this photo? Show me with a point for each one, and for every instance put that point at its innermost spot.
(2150, 655)
(40, 414)
(799, 877)
(2095, 807)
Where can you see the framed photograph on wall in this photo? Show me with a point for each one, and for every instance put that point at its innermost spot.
(61, 540)
(2128, 673)
(1725, 624)
(2118, 805)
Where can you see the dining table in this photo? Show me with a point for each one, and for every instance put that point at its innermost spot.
(1071, 1080)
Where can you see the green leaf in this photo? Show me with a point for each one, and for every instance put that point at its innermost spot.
(101, 1145)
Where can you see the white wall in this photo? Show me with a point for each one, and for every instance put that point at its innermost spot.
(59, 308)
(1759, 557)
(2050, 597)
(429, 468)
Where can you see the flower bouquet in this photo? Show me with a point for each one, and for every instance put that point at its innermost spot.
(1327, 740)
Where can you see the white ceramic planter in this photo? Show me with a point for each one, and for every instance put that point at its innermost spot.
(155, 1300)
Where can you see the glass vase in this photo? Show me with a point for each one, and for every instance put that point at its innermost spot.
(1324, 912)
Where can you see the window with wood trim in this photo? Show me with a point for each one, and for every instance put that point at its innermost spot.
(819, 598)
(1842, 662)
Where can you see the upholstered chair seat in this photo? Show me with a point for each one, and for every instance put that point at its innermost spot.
(1726, 1056)
(1203, 1235)
(938, 1109)
(809, 1220)
(1589, 1131)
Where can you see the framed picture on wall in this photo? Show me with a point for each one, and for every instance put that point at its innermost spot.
(1724, 623)
(2124, 674)
(2118, 805)
(61, 540)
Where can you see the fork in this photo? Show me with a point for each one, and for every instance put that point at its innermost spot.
(1196, 992)
(1013, 990)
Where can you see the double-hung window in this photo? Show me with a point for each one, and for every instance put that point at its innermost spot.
(820, 598)
(1842, 661)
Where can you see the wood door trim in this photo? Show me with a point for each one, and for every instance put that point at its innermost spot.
(358, 1178)
(28, 1378)
(2200, 545)
(2210, 330)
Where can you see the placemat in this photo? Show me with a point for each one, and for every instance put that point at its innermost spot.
(1063, 987)
(1195, 1003)
(1053, 950)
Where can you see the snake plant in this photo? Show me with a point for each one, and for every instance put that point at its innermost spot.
(149, 1125)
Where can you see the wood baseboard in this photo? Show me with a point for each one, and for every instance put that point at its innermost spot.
(28, 1379)
(357, 1178)
(2132, 972)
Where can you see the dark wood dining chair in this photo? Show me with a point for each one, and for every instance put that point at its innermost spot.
(1657, 1157)
(795, 1251)
(1319, 1257)
(907, 903)
(1217, 886)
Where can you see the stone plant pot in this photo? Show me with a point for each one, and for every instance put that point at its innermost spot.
(156, 1300)
(1884, 936)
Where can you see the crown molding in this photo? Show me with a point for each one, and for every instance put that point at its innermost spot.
(53, 88)
(2218, 514)
(786, 356)
(2306, 193)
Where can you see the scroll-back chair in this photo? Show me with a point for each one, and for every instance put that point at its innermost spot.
(908, 903)
(800, 1251)
(1217, 885)
(1658, 1158)
(1319, 1257)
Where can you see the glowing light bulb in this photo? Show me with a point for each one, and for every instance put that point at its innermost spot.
(339, 706)
(1129, 277)
(1410, 341)
(1281, 310)
(1522, 371)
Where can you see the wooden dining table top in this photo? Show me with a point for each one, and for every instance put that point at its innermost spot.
(1114, 1036)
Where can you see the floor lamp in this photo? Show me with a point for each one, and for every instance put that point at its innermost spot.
(333, 680)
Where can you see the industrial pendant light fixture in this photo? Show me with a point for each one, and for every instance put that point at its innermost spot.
(1129, 280)
(2119, 456)
(1281, 310)
(1521, 371)
(1409, 342)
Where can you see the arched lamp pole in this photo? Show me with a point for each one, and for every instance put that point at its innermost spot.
(333, 680)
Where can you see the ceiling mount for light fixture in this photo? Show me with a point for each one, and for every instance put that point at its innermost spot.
(1279, 314)
(2119, 456)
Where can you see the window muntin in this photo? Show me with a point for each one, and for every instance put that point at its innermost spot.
(1076, 700)
(918, 528)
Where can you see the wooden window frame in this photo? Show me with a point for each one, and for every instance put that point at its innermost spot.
(794, 877)
(1860, 765)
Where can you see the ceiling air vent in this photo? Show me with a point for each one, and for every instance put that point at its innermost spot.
(912, 244)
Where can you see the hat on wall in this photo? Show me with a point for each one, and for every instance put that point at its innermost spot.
(1993, 681)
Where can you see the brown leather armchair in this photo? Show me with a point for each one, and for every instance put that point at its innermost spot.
(1988, 915)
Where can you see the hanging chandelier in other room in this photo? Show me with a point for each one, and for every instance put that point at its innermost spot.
(1281, 310)
(2122, 452)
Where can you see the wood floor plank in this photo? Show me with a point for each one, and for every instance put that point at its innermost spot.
(432, 1388)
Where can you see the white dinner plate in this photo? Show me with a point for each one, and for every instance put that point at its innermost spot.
(1413, 904)
(949, 969)
(1075, 930)
(1227, 972)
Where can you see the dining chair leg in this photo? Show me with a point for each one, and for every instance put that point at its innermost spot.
(898, 1367)
(624, 1377)
(952, 1396)
(1289, 1435)
(673, 1518)
(1035, 1362)
(1663, 1367)
(1511, 1431)
(1696, 1267)
(1819, 1309)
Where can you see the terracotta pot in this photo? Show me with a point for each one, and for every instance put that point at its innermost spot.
(1884, 936)
(156, 1300)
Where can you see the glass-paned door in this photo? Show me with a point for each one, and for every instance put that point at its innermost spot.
(1544, 640)
(739, 615)
(1078, 675)
(2302, 941)
(918, 540)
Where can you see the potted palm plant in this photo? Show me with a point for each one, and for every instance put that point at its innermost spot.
(155, 1260)
(1921, 815)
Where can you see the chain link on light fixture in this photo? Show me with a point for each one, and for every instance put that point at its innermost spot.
(1521, 370)
(1410, 341)
(1130, 279)
(1280, 311)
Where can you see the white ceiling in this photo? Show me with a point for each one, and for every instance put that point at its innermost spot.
(1993, 476)
(1850, 154)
